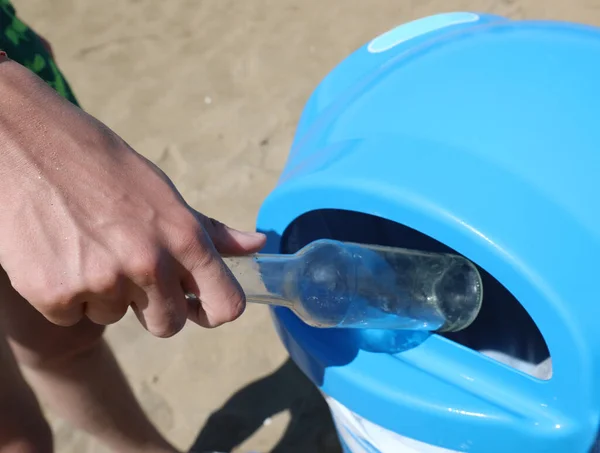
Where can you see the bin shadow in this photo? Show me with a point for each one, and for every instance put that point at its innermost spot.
(334, 348)
(309, 430)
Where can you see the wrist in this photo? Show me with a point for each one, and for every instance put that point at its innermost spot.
(19, 93)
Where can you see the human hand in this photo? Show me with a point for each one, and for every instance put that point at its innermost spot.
(89, 227)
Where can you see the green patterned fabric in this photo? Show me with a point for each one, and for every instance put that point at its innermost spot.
(25, 47)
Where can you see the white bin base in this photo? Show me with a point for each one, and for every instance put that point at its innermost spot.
(361, 436)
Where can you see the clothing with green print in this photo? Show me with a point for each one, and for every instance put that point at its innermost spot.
(24, 46)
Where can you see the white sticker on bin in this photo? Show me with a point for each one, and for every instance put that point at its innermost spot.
(419, 27)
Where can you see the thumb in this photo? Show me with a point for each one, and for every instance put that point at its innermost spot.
(229, 241)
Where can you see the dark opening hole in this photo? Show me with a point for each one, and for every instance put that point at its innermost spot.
(503, 330)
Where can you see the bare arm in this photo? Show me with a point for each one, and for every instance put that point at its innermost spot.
(89, 227)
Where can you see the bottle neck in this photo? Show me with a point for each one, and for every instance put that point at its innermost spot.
(262, 277)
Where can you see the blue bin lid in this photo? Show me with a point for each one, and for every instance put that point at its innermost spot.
(481, 133)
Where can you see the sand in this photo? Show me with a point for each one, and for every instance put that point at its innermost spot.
(211, 90)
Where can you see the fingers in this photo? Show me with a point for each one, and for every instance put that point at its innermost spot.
(154, 278)
(220, 297)
(202, 272)
(106, 300)
(196, 313)
(61, 311)
(106, 309)
(209, 278)
(160, 304)
(229, 241)
(157, 299)
(163, 315)
(55, 302)
(149, 282)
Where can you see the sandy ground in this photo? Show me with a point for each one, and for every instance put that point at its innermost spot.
(211, 90)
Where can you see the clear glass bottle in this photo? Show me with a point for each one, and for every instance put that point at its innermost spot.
(335, 284)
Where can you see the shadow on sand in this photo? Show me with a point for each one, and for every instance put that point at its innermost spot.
(310, 429)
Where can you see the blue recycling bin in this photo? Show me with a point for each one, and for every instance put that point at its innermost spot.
(477, 135)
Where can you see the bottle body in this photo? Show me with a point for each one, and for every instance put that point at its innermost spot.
(334, 284)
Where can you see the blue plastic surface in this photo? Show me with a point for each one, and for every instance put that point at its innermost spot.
(484, 136)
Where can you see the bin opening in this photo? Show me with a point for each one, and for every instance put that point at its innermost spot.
(503, 331)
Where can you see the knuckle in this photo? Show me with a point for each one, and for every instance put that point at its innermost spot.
(46, 295)
(205, 258)
(238, 306)
(58, 299)
(105, 314)
(107, 318)
(188, 237)
(215, 230)
(168, 329)
(211, 225)
(145, 268)
(55, 299)
(105, 282)
(58, 305)
(163, 332)
(186, 242)
(231, 310)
